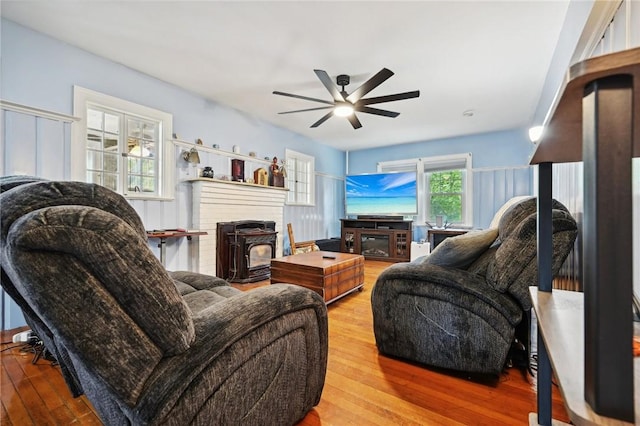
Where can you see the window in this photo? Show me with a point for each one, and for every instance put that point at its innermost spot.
(445, 195)
(444, 186)
(300, 169)
(121, 145)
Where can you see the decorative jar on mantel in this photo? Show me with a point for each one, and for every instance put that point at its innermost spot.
(207, 172)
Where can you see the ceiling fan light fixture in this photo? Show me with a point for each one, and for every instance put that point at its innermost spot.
(343, 110)
(346, 104)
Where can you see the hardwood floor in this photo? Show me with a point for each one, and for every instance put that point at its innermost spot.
(362, 387)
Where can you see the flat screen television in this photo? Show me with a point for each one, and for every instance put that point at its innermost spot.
(382, 194)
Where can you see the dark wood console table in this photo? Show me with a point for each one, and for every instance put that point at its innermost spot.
(436, 235)
(587, 337)
(163, 235)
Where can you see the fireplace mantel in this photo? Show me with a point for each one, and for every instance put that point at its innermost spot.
(217, 200)
(231, 182)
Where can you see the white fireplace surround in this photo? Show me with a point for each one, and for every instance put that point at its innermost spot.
(226, 201)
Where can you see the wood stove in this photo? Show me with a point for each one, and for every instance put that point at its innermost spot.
(245, 249)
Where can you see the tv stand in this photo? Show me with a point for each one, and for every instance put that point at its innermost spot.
(380, 239)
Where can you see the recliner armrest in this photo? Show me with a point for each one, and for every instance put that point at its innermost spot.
(197, 280)
(251, 321)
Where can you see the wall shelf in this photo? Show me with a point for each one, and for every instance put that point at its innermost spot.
(218, 151)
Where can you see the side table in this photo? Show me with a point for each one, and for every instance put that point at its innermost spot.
(436, 236)
(163, 235)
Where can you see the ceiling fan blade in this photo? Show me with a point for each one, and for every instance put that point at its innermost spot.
(323, 119)
(328, 83)
(304, 110)
(354, 121)
(369, 85)
(389, 98)
(377, 111)
(306, 98)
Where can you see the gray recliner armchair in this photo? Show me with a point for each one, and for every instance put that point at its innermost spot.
(458, 308)
(145, 345)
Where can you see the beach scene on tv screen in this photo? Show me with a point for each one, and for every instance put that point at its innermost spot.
(382, 193)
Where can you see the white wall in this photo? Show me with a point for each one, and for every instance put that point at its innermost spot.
(500, 167)
(40, 72)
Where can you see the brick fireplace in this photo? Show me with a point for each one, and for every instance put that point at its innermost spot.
(216, 201)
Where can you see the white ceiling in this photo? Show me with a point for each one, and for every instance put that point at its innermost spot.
(491, 57)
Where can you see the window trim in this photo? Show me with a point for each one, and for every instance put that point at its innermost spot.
(82, 98)
(289, 153)
(423, 165)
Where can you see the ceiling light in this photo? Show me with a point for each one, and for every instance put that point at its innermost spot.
(535, 133)
(343, 110)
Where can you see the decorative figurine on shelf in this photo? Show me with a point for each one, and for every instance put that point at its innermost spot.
(237, 170)
(261, 177)
(275, 169)
(207, 172)
(277, 178)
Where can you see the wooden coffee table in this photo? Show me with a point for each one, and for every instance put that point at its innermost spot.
(332, 275)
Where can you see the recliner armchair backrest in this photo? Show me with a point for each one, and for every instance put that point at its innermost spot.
(512, 265)
(61, 241)
(44, 193)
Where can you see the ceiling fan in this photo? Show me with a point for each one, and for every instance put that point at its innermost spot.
(345, 104)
